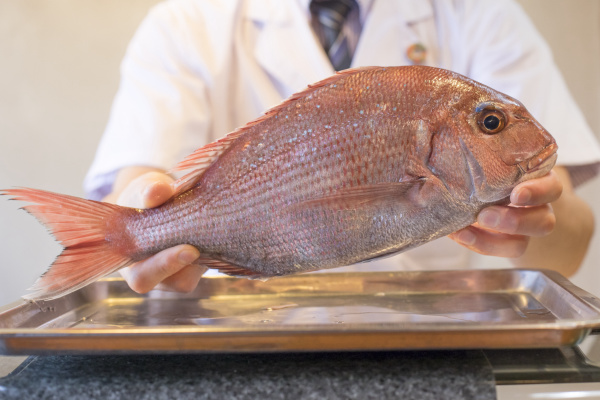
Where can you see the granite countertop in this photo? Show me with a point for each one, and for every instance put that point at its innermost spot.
(355, 375)
(467, 374)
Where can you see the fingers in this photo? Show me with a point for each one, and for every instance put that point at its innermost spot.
(183, 281)
(538, 191)
(530, 221)
(146, 191)
(505, 231)
(165, 267)
(491, 243)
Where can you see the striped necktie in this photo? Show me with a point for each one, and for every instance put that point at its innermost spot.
(328, 18)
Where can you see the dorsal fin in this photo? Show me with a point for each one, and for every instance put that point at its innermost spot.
(201, 159)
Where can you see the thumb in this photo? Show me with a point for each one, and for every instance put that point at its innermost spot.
(146, 191)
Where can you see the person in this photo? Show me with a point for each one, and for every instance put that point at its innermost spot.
(196, 70)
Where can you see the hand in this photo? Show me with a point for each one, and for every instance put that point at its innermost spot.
(505, 231)
(171, 269)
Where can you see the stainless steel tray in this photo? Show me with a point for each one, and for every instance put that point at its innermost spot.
(311, 312)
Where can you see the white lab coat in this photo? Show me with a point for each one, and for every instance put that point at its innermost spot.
(197, 69)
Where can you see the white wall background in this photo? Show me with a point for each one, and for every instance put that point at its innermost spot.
(59, 72)
(572, 28)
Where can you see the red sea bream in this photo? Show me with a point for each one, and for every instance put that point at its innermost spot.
(367, 163)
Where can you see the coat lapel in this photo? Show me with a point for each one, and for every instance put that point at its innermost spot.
(384, 40)
(286, 47)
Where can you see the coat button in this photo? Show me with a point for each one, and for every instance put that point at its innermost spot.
(416, 53)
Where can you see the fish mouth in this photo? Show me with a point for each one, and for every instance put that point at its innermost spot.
(541, 163)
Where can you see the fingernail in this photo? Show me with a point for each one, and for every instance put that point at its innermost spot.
(466, 237)
(489, 218)
(522, 197)
(188, 256)
(149, 194)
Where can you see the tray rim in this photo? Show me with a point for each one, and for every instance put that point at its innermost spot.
(578, 328)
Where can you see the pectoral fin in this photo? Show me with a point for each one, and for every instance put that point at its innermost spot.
(404, 194)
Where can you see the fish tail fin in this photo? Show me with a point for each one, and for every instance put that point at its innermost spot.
(84, 228)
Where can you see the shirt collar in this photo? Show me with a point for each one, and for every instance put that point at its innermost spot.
(363, 5)
(409, 10)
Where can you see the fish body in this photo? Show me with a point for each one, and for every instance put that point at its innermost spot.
(370, 162)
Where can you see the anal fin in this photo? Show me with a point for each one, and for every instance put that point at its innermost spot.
(227, 268)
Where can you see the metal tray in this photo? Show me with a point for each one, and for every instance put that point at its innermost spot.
(310, 312)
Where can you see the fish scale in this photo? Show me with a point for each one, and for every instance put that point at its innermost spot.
(369, 162)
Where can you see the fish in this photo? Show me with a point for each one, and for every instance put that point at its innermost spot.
(364, 164)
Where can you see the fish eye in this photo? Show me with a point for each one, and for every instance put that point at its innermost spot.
(491, 121)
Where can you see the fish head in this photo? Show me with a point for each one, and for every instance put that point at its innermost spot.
(499, 143)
